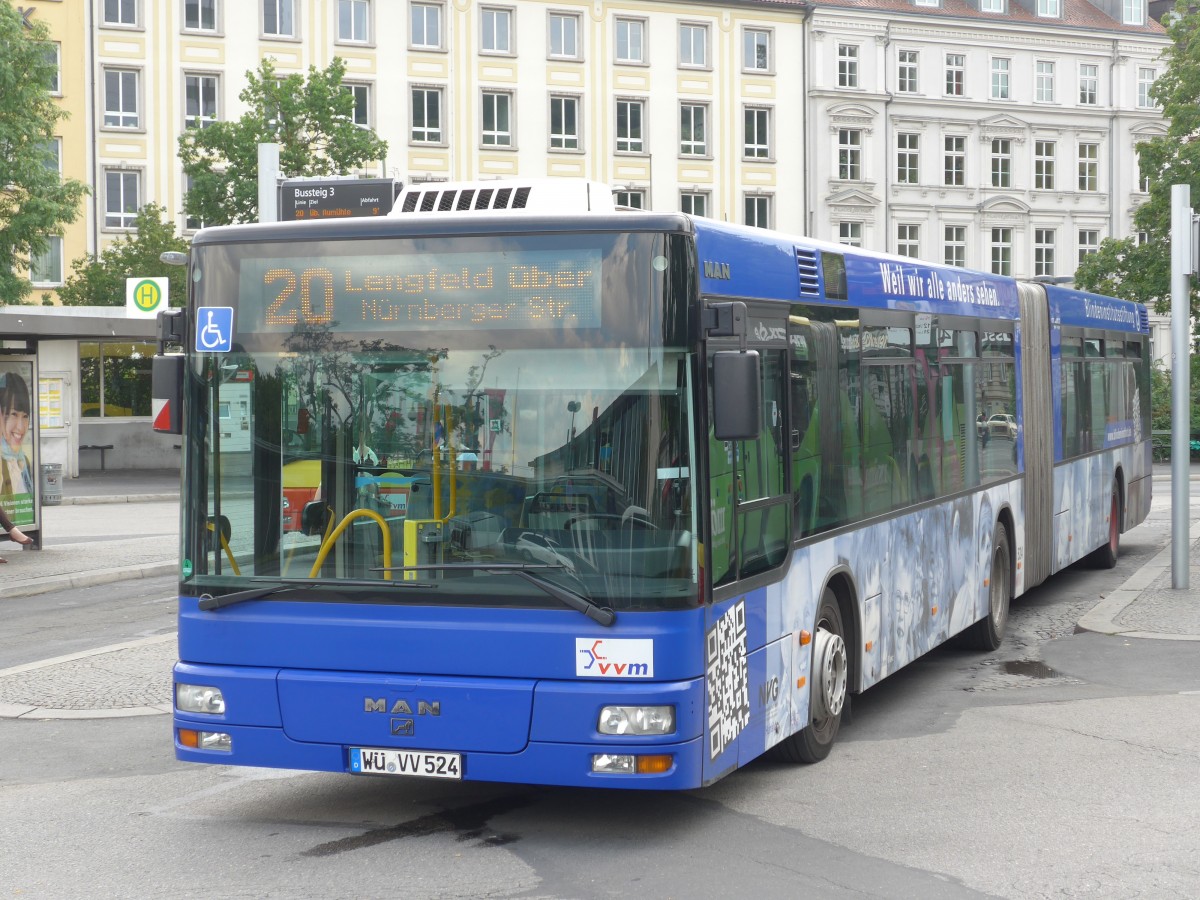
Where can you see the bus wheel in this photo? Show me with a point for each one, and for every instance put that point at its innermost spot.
(1106, 556)
(827, 692)
(988, 633)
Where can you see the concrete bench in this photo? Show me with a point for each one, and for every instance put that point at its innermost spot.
(100, 447)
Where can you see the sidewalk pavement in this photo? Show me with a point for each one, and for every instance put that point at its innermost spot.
(138, 512)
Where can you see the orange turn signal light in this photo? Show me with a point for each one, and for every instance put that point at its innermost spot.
(189, 738)
(805, 638)
(655, 764)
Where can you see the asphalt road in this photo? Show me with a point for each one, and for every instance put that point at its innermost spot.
(1064, 765)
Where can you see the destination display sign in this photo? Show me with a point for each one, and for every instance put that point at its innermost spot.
(532, 289)
(335, 198)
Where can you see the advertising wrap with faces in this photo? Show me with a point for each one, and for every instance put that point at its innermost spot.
(17, 465)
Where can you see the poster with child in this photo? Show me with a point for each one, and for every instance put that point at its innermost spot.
(16, 441)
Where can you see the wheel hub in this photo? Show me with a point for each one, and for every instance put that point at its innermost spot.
(829, 669)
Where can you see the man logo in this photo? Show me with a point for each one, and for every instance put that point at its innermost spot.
(402, 727)
(717, 270)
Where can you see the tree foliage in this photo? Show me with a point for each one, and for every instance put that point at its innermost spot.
(99, 279)
(1142, 272)
(310, 118)
(35, 201)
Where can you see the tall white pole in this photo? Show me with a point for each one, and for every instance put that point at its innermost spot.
(268, 182)
(1181, 268)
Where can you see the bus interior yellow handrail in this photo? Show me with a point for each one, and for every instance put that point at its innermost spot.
(331, 539)
(225, 546)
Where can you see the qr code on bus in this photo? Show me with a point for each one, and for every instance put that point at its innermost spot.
(728, 679)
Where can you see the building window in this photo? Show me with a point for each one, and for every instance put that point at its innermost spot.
(849, 154)
(1089, 167)
(496, 30)
(847, 66)
(279, 18)
(1089, 84)
(907, 158)
(1001, 251)
(46, 267)
(1043, 251)
(362, 103)
(758, 210)
(425, 25)
(121, 98)
(200, 15)
(991, 6)
(54, 60)
(1043, 165)
(955, 169)
(1001, 70)
(1143, 237)
(850, 234)
(114, 379)
(908, 240)
(564, 123)
(1133, 12)
(120, 12)
(906, 72)
(1143, 178)
(122, 197)
(693, 129)
(53, 158)
(1089, 242)
(354, 21)
(630, 137)
(630, 199)
(564, 36)
(1045, 81)
(1001, 163)
(756, 50)
(631, 41)
(427, 116)
(1049, 9)
(954, 245)
(1146, 78)
(190, 223)
(693, 45)
(757, 144)
(694, 203)
(200, 94)
(956, 65)
(497, 119)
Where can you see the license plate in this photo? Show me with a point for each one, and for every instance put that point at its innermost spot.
(415, 763)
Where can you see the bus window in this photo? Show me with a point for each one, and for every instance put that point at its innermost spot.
(763, 531)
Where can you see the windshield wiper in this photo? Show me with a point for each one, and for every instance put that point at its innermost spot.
(278, 585)
(526, 571)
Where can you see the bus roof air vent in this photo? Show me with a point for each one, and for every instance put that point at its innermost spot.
(810, 281)
(537, 195)
(1143, 318)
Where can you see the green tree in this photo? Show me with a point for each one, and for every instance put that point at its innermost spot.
(1142, 272)
(310, 118)
(35, 201)
(99, 279)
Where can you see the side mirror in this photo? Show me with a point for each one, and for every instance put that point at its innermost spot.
(166, 392)
(314, 517)
(737, 395)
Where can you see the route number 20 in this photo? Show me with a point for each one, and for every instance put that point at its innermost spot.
(277, 314)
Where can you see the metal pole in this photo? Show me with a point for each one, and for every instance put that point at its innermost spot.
(1181, 268)
(268, 182)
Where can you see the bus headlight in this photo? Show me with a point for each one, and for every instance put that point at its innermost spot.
(198, 698)
(639, 720)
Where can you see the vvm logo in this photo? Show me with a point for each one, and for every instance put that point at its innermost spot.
(614, 658)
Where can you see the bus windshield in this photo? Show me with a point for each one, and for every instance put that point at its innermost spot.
(357, 438)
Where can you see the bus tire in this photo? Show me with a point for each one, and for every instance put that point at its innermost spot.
(1106, 556)
(828, 689)
(988, 632)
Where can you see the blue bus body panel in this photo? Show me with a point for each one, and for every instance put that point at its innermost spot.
(334, 676)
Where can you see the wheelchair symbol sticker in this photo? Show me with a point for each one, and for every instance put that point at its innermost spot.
(214, 329)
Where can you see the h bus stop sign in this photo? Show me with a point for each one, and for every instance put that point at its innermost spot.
(306, 199)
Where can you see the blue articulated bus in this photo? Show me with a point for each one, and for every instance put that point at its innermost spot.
(611, 498)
